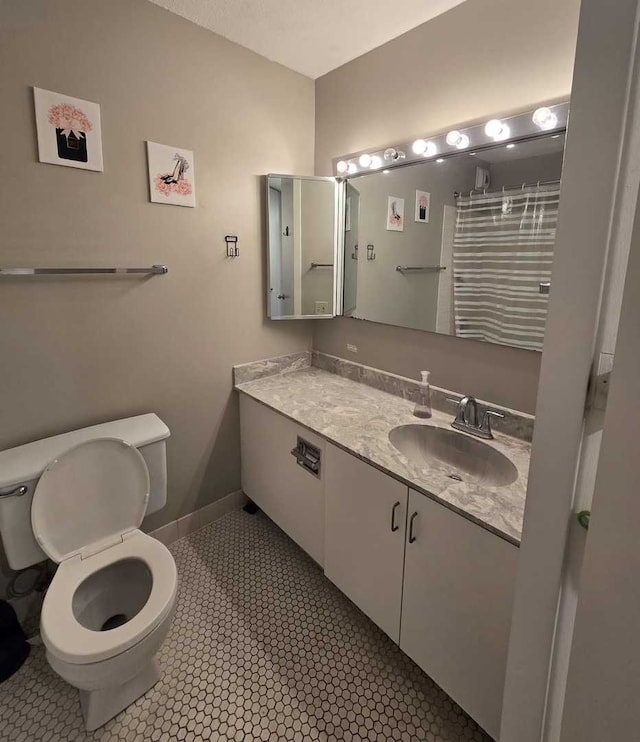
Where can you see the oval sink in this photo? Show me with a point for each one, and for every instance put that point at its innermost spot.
(470, 460)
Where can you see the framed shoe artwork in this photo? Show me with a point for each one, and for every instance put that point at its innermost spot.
(68, 129)
(171, 175)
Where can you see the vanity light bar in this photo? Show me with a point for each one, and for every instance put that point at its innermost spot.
(522, 126)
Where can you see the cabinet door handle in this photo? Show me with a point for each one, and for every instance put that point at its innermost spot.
(394, 527)
(412, 538)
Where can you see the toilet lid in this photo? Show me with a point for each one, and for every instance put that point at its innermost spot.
(88, 497)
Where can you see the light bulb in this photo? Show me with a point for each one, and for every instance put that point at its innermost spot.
(376, 162)
(453, 137)
(365, 160)
(419, 147)
(505, 133)
(463, 142)
(545, 118)
(342, 166)
(431, 150)
(351, 169)
(493, 128)
(390, 154)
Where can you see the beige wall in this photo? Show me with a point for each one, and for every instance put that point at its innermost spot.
(79, 351)
(483, 57)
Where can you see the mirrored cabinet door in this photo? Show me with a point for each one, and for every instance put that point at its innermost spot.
(304, 216)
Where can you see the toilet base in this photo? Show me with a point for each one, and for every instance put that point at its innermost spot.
(99, 706)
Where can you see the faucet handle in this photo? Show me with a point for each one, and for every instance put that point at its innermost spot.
(486, 421)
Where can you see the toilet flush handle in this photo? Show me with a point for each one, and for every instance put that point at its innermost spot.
(17, 492)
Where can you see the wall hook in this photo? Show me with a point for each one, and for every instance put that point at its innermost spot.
(370, 253)
(354, 254)
(233, 251)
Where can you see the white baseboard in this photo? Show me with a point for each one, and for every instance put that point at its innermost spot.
(199, 518)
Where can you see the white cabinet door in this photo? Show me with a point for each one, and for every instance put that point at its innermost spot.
(291, 496)
(459, 581)
(365, 521)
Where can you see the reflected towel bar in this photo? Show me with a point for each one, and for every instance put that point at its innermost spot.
(322, 265)
(426, 268)
(154, 270)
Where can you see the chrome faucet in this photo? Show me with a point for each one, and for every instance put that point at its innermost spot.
(466, 419)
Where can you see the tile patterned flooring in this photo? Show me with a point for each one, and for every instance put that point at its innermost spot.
(263, 647)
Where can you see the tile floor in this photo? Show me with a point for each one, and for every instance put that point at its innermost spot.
(263, 647)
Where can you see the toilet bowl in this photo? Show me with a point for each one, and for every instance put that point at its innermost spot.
(111, 601)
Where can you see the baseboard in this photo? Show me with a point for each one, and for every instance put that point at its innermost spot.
(176, 529)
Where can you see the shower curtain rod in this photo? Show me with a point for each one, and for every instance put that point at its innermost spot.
(521, 186)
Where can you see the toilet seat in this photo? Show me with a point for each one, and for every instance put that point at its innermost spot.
(68, 640)
(86, 511)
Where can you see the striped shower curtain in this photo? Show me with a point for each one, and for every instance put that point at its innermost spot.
(502, 251)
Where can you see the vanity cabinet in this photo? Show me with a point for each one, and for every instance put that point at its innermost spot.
(289, 494)
(365, 524)
(459, 582)
(438, 584)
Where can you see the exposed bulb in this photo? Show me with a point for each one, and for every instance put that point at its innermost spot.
(453, 137)
(431, 150)
(351, 169)
(545, 118)
(463, 142)
(365, 160)
(419, 147)
(376, 162)
(342, 166)
(390, 154)
(497, 130)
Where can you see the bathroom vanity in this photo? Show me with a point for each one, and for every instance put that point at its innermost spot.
(427, 551)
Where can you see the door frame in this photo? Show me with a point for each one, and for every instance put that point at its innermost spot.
(597, 207)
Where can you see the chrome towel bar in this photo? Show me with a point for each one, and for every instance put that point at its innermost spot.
(426, 268)
(322, 265)
(154, 270)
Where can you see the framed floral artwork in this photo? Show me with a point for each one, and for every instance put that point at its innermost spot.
(423, 202)
(395, 214)
(68, 129)
(171, 175)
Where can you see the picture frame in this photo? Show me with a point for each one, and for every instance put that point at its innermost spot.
(423, 206)
(171, 175)
(395, 214)
(68, 130)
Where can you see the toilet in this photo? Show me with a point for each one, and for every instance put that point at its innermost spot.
(111, 602)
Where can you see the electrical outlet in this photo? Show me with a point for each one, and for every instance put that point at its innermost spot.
(352, 348)
(322, 307)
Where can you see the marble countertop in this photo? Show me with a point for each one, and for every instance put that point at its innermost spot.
(358, 418)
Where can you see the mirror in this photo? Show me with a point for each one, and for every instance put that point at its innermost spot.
(302, 219)
(462, 245)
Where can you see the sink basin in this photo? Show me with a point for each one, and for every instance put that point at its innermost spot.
(468, 459)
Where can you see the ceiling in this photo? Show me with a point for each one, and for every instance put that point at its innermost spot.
(309, 36)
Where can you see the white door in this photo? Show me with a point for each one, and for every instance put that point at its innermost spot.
(459, 581)
(365, 518)
(603, 686)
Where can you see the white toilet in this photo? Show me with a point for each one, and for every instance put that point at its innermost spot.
(79, 499)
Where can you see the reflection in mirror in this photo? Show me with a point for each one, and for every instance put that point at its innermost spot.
(461, 245)
(301, 246)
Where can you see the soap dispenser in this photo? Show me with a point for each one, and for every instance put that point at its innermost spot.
(423, 405)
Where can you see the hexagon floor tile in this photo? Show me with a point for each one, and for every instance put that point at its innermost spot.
(263, 647)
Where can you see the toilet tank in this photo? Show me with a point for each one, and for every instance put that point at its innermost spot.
(23, 465)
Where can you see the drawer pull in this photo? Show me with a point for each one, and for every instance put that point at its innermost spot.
(412, 538)
(394, 527)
